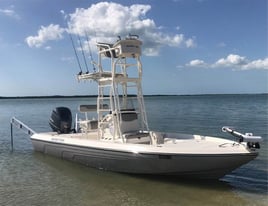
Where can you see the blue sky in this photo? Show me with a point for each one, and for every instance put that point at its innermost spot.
(189, 46)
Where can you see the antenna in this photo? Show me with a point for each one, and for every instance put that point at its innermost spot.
(77, 59)
(83, 53)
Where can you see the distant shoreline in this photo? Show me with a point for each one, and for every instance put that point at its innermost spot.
(92, 96)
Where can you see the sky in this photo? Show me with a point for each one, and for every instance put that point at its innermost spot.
(189, 46)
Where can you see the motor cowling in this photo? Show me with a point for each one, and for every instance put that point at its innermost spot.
(61, 120)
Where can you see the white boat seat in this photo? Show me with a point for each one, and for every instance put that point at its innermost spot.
(129, 122)
(137, 137)
(130, 128)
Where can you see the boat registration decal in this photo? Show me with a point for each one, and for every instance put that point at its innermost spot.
(57, 139)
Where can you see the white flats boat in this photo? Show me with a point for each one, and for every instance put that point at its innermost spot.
(119, 138)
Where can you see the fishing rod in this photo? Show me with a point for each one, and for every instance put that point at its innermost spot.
(71, 38)
(90, 52)
(83, 53)
(77, 59)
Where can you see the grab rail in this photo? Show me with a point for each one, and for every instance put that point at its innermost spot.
(20, 125)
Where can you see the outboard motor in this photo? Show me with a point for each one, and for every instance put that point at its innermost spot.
(61, 120)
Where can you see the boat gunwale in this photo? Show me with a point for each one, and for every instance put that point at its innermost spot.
(136, 152)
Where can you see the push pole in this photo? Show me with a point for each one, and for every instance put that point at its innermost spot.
(11, 135)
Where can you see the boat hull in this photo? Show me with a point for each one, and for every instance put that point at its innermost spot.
(205, 166)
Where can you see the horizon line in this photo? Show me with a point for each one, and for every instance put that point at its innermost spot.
(79, 96)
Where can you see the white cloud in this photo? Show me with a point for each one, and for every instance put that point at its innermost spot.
(151, 51)
(196, 63)
(51, 32)
(257, 64)
(10, 13)
(108, 20)
(104, 21)
(190, 43)
(233, 61)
